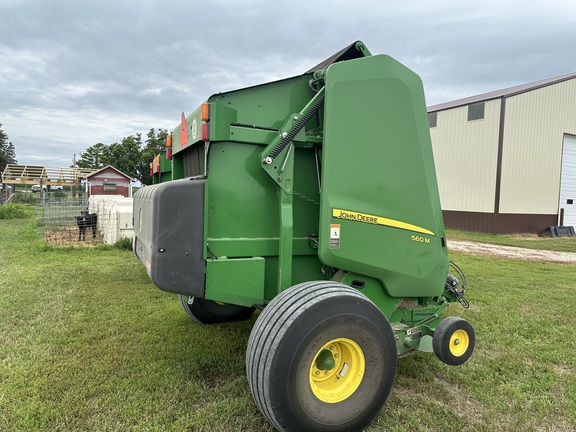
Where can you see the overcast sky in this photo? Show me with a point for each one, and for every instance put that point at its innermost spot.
(77, 72)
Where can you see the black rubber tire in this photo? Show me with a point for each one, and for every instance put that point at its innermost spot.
(209, 312)
(284, 341)
(443, 335)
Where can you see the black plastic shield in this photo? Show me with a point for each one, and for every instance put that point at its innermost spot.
(169, 235)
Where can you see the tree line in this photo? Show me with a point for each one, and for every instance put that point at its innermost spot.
(7, 151)
(131, 155)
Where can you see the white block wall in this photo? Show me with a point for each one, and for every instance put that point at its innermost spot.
(114, 216)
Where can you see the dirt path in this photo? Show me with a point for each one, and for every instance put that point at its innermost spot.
(511, 252)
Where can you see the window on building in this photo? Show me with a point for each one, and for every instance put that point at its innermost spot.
(432, 119)
(476, 111)
(109, 187)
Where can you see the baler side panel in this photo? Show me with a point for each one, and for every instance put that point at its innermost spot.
(380, 209)
(266, 105)
(242, 214)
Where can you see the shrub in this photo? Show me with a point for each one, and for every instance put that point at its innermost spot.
(24, 198)
(16, 211)
(124, 243)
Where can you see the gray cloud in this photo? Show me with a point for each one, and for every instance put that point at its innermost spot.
(74, 73)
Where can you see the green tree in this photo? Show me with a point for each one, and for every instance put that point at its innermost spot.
(96, 156)
(7, 151)
(131, 155)
(126, 156)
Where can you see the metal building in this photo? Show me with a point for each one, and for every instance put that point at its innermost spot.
(506, 160)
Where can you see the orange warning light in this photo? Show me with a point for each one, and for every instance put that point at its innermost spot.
(205, 112)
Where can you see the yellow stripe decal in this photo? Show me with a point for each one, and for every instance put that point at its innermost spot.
(377, 220)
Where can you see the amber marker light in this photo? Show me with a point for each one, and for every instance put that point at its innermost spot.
(169, 147)
(205, 112)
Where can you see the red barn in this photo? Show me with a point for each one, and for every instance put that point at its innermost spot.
(109, 181)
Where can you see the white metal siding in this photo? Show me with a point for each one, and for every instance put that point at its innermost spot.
(568, 181)
(536, 122)
(465, 155)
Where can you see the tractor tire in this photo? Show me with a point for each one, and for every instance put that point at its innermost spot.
(210, 312)
(454, 341)
(321, 356)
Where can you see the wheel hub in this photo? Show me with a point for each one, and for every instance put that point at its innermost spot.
(337, 370)
(325, 361)
(459, 343)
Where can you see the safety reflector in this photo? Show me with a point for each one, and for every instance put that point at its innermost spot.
(205, 132)
(183, 133)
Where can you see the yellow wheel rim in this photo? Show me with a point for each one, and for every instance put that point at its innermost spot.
(337, 370)
(459, 343)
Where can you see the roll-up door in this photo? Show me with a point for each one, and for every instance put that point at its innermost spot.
(568, 182)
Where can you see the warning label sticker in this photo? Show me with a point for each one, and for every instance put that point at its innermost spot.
(334, 236)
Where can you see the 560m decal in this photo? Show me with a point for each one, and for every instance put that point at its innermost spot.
(377, 220)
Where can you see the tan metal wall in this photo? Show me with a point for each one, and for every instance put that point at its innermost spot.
(532, 148)
(465, 154)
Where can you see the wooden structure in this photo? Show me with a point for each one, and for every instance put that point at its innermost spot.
(44, 176)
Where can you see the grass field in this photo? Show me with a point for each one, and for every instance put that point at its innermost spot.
(88, 343)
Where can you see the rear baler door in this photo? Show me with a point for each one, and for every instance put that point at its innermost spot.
(380, 209)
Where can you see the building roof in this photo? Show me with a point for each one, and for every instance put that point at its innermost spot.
(507, 92)
(105, 168)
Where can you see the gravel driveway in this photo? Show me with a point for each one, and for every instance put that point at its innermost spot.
(511, 252)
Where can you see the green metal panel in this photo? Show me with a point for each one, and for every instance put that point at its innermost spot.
(238, 281)
(177, 166)
(193, 126)
(371, 288)
(265, 105)
(242, 210)
(165, 164)
(380, 209)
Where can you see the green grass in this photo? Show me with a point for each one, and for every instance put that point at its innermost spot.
(530, 241)
(88, 343)
(16, 211)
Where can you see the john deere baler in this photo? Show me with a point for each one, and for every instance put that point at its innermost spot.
(314, 200)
